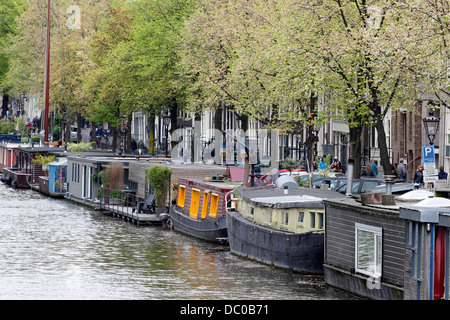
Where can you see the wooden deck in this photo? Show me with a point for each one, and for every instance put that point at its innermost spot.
(126, 213)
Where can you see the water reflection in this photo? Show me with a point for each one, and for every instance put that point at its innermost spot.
(53, 249)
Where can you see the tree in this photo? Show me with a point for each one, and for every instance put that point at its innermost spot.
(102, 83)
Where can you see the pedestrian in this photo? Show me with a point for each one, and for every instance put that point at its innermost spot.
(141, 147)
(374, 167)
(401, 169)
(133, 146)
(367, 172)
(394, 170)
(418, 175)
(336, 165)
(322, 165)
(442, 175)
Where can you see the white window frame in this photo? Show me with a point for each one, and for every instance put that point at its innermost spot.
(377, 252)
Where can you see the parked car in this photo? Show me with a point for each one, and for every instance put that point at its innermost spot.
(335, 182)
(360, 185)
(397, 188)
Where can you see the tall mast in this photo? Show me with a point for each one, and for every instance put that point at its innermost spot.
(47, 76)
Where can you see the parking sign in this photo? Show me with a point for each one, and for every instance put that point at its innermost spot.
(429, 164)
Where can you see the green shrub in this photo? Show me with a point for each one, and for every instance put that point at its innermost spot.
(78, 147)
(159, 178)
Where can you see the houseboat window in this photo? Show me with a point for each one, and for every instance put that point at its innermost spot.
(269, 216)
(301, 216)
(320, 218)
(205, 204)
(252, 210)
(181, 196)
(195, 203)
(285, 218)
(368, 249)
(312, 219)
(214, 205)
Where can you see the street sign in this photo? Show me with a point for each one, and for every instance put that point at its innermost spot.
(429, 165)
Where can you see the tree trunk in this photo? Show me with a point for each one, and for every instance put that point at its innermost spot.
(355, 150)
(382, 145)
(78, 127)
(93, 135)
(151, 133)
(173, 121)
(128, 133)
(115, 140)
(67, 132)
(5, 104)
(217, 134)
(313, 99)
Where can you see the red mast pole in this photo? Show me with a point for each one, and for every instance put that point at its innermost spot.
(47, 76)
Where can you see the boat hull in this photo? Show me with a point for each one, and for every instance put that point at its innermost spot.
(214, 230)
(302, 252)
(16, 179)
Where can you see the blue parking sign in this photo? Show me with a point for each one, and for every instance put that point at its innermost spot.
(428, 154)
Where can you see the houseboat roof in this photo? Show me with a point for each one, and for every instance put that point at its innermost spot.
(277, 198)
(93, 159)
(218, 184)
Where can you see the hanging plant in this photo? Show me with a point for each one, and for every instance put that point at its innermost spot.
(159, 178)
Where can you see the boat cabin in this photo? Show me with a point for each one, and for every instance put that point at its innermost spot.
(84, 176)
(139, 168)
(57, 174)
(201, 199)
(427, 269)
(8, 155)
(281, 225)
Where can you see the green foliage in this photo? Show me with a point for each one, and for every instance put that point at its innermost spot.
(36, 138)
(43, 160)
(7, 127)
(79, 147)
(159, 178)
(289, 164)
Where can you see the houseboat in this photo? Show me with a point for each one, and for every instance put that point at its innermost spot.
(7, 154)
(83, 179)
(55, 184)
(280, 225)
(25, 172)
(199, 207)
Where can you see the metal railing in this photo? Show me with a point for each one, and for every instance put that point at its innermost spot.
(122, 202)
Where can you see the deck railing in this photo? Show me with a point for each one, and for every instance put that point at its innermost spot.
(122, 202)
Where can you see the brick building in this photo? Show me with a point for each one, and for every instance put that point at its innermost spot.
(407, 138)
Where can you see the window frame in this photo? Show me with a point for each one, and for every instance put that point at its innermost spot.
(181, 196)
(377, 252)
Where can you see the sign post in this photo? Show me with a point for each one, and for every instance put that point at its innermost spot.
(429, 165)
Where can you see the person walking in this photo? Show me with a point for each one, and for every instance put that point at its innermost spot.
(418, 175)
(442, 175)
(401, 169)
(141, 147)
(133, 146)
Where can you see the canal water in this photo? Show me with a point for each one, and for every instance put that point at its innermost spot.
(52, 249)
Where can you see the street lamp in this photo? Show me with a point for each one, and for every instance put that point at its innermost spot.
(431, 124)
